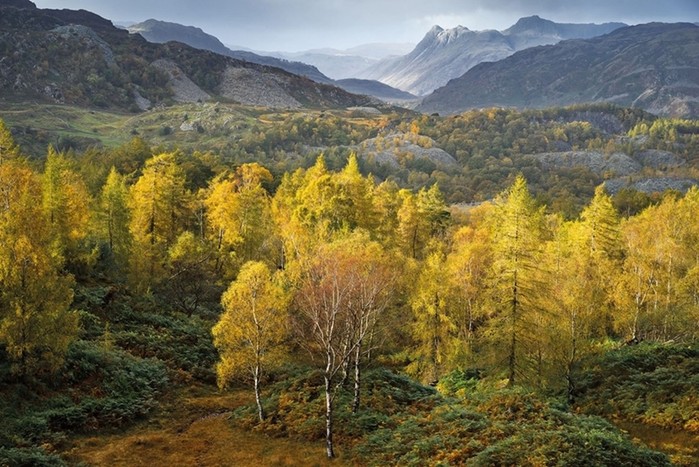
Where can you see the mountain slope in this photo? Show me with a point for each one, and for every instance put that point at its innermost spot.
(375, 89)
(653, 66)
(79, 58)
(446, 54)
(162, 32)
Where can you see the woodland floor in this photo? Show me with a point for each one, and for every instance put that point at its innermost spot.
(681, 446)
(193, 429)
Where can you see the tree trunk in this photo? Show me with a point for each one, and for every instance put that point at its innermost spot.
(512, 358)
(258, 398)
(357, 378)
(328, 417)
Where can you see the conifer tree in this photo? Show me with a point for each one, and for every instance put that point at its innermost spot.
(517, 232)
(160, 211)
(36, 325)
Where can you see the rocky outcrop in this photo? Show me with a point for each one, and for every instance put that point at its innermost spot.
(398, 149)
(598, 163)
(250, 87)
(658, 159)
(86, 34)
(650, 185)
(183, 88)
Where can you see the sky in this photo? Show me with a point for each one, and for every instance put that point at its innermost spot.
(295, 25)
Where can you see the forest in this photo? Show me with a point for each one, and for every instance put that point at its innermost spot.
(357, 312)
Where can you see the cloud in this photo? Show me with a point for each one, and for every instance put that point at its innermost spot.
(300, 24)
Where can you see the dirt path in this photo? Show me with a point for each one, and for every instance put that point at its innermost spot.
(195, 430)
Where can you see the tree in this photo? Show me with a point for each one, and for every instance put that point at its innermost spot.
(160, 212)
(343, 289)
(421, 217)
(252, 327)
(467, 266)
(36, 325)
(239, 216)
(8, 148)
(188, 275)
(65, 203)
(114, 217)
(517, 234)
(583, 262)
(373, 288)
(432, 326)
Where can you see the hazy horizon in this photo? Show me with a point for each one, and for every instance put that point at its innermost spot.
(291, 26)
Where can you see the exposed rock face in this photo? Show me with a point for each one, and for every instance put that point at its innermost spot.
(658, 159)
(598, 163)
(250, 87)
(445, 54)
(652, 66)
(650, 185)
(183, 88)
(88, 35)
(395, 148)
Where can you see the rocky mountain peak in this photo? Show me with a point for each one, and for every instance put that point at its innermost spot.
(532, 24)
(435, 31)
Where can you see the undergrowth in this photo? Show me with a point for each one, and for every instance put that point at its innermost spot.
(403, 422)
(653, 384)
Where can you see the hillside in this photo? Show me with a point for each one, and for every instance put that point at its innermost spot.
(446, 54)
(79, 58)
(654, 67)
(375, 89)
(162, 32)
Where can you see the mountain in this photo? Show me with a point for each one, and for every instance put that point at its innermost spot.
(162, 32)
(332, 63)
(444, 54)
(342, 64)
(375, 89)
(79, 58)
(653, 66)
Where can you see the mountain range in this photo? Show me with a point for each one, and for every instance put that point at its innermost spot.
(80, 58)
(343, 64)
(444, 54)
(651, 66)
(162, 32)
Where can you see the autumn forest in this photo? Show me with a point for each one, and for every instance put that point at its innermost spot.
(348, 307)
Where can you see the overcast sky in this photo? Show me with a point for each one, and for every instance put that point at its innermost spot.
(293, 25)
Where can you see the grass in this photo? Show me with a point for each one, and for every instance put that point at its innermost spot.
(36, 126)
(194, 429)
(681, 446)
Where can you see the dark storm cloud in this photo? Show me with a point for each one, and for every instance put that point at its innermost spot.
(300, 24)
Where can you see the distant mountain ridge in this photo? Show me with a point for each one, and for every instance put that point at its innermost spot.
(653, 66)
(79, 58)
(160, 32)
(444, 54)
(344, 64)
